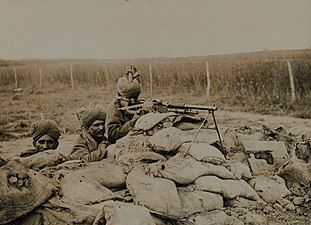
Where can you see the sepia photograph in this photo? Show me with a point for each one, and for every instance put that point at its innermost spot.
(155, 112)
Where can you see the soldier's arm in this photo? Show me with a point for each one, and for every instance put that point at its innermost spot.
(117, 130)
(81, 152)
(116, 127)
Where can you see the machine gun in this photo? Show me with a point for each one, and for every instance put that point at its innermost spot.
(159, 106)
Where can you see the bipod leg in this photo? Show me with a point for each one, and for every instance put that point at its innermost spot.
(218, 133)
(195, 136)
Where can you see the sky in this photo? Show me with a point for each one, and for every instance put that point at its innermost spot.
(109, 29)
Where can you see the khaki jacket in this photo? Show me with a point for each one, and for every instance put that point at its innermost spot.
(87, 149)
(118, 124)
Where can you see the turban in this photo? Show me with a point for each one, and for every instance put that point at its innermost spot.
(129, 85)
(87, 115)
(44, 127)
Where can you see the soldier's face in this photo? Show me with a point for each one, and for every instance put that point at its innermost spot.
(46, 142)
(97, 129)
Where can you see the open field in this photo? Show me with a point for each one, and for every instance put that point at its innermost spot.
(255, 82)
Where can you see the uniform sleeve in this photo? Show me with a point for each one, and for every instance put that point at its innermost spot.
(116, 127)
(81, 152)
(28, 152)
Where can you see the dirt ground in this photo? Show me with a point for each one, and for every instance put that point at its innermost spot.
(19, 110)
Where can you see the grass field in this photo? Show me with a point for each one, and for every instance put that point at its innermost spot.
(255, 82)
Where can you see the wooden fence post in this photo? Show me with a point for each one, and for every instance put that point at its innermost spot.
(71, 78)
(107, 75)
(291, 79)
(40, 79)
(99, 78)
(208, 81)
(15, 77)
(151, 80)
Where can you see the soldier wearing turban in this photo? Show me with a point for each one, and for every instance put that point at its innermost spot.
(119, 123)
(45, 136)
(92, 142)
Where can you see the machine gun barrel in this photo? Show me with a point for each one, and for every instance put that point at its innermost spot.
(189, 107)
(169, 105)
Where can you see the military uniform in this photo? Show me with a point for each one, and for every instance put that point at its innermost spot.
(118, 123)
(87, 149)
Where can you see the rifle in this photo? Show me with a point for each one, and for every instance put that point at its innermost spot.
(159, 106)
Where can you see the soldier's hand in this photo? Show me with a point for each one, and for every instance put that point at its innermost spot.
(141, 112)
(134, 119)
(102, 148)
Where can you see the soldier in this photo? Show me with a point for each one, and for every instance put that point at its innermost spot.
(92, 142)
(45, 135)
(118, 122)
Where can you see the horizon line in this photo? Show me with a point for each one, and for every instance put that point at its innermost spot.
(157, 57)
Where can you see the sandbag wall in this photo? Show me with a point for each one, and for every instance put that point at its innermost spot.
(160, 174)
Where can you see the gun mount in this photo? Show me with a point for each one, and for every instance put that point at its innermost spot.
(160, 106)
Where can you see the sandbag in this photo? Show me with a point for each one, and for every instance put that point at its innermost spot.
(194, 201)
(167, 140)
(297, 171)
(82, 189)
(158, 221)
(207, 136)
(229, 189)
(203, 152)
(107, 174)
(134, 157)
(118, 213)
(42, 159)
(129, 160)
(64, 168)
(187, 122)
(254, 219)
(56, 212)
(231, 141)
(112, 151)
(157, 194)
(31, 218)
(63, 211)
(21, 190)
(55, 217)
(301, 131)
(303, 151)
(130, 143)
(216, 218)
(270, 190)
(241, 202)
(185, 170)
(240, 170)
(186, 125)
(149, 120)
(69, 165)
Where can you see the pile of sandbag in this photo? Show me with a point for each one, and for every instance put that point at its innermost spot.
(21, 190)
(160, 174)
